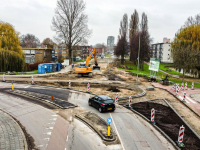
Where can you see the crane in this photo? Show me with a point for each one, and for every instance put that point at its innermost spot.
(85, 69)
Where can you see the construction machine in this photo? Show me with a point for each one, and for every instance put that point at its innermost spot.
(85, 69)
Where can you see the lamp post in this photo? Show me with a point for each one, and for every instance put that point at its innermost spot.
(138, 60)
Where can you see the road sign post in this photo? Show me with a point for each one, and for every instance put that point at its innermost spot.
(4, 80)
(109, 120)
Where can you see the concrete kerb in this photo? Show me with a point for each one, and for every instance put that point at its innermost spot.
(90, 126)
(172, 109)
(21, 130)
(179, 100)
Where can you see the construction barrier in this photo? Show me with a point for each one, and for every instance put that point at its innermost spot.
(180, 136)
(192, 86)
(32, 80)
(88, 87)
(69, 84)
(130, 101)
(182, 86)
(185, 85)
(153, 115)
(116, 98)
(4, 80)
(184, 97)
(174, 87)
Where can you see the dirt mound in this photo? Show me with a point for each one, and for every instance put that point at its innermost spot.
(167, 120)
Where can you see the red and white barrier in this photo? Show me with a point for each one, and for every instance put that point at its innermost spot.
(4, 79)
(181, 134)
(185, 85)
(130, 98)
(69, 84)
(32, 80)
(182, 86)
(88, 87)
(152, 115)
(192, 86)
(184, 97)
(174, 87)
(116, 98)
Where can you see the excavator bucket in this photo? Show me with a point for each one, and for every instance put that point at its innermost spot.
(96, 68)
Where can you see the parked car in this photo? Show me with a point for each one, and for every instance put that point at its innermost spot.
(102, 103)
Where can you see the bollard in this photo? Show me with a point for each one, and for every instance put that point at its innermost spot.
(182, 86)
(109, 130)
(192, 86)
(153, 116)
(130, 102)
(180, 136)
(4, 80)
(69, 84)
(88, 87)
(184, 97)
(32, 80)
(185, 85)
(12, 86)
(52, 97)
(116, 98)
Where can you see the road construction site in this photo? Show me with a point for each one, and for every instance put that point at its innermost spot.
(111, 80)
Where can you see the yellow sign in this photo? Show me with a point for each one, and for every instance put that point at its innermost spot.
(108, 130)
(12, 86)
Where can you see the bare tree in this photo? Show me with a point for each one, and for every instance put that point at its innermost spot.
(133, 30)
(70, 23)
(122, 44)
(190, 21)
(29, 41)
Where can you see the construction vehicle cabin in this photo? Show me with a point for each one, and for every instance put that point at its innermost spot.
(85, 69)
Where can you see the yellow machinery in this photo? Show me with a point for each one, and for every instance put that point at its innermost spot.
(84, 69)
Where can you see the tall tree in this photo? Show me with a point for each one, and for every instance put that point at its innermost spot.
(11, 54)
(144, 41)
(186, 50)
(29, 41)
(70, 23)
(133, 30)
(122, 44)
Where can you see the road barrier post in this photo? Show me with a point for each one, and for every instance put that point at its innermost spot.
(185, 85)
(52, 97)
(69, 84)
(116, 98)
(182, 86)
(174, 87)
(184, 97)
(180, 136)
(12, 86)
(4, 80)
(153, 116)
(88, 87)
(109, 130)
(130, 102)
(32, 80)
(192, 86)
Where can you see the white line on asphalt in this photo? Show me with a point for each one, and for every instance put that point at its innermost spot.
(51, 128)
(52, 123)
(67, 139)
(54, 115)
(117, 132)
(190, 100)
(26, 86)
(181, 98)
(47, 139)
(53, 119)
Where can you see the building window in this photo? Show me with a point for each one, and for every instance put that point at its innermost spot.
(33, 52)
(28, 60)
(27, 51)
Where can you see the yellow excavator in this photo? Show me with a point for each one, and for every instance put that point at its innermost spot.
(84, 69)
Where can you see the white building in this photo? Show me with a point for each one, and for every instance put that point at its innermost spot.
(162, 51)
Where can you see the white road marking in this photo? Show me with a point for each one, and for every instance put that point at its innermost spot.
(53, 119)
(40, 145)
(52, 123)
(51, 128)
(26, 86)
(190, 100)
(54, 115)
(48, 133)
(117, 132)
(181, 98)
(67, 139)
(46, 139)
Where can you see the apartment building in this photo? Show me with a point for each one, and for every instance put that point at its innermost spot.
(162, 51)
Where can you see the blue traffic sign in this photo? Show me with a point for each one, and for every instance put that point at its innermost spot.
(109, 120)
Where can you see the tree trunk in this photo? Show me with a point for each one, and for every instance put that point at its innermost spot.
(70, 53)
(183, 75)
(122, 59)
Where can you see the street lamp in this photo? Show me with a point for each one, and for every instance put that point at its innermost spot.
(138, 60)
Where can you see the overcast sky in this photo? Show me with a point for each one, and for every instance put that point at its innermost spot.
(164, 17)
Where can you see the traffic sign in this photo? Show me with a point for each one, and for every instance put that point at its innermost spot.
(109, 120)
